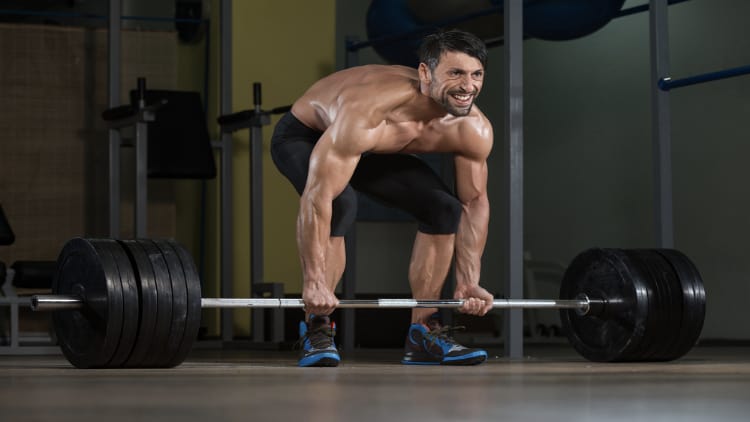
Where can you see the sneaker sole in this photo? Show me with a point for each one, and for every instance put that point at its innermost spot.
(471, 359)
(423, 363)
(465, 360)
(321, 359)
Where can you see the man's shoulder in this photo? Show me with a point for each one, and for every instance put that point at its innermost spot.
(475, 134)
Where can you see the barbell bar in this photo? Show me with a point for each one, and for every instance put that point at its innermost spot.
(137, 303)
(66, 302)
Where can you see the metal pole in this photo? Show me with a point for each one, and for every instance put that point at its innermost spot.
(513, 21)
(661, 125)
(226, 274)
(256, 211)
(348, 287)
(348, 279)
(141, 179)
(666, 84)
(113, 82)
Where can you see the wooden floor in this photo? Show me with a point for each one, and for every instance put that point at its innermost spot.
(710, 384)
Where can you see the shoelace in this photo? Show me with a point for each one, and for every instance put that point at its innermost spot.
(444, 333)
(318, 341)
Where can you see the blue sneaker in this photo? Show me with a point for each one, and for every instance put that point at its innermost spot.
(318, 347)
(434, 346)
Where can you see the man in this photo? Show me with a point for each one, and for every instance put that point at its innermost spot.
(355, 130)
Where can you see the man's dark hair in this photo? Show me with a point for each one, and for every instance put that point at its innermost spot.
(434, 45)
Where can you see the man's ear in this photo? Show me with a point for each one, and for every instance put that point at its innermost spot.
(425, 76)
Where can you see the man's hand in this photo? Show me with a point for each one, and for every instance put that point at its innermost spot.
(477, 300)
(319, 300)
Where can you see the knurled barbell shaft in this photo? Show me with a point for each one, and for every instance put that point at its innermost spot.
(61, 302)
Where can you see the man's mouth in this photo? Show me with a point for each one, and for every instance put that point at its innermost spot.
(463, 99)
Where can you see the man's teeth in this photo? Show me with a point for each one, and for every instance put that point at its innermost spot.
(461, 97)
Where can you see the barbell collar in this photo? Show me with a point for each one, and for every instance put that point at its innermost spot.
(582, 303)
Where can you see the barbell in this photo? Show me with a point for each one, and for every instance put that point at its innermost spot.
(137, 303)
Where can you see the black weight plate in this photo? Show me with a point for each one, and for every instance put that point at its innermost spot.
(694, 300)
(193, 284)
(89, 336)
(640, 273)
(130, 301)
(654, 325)
(662, 313)
(158, 354)
(179, 301)
(641, 276)
(617, 330)
(144, 273)
(673, 307)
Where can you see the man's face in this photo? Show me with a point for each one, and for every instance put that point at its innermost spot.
(455, 82)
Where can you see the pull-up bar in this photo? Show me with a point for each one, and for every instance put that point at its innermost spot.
(665, 84)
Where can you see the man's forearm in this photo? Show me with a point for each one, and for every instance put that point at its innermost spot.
(471, 239)
(313, 231)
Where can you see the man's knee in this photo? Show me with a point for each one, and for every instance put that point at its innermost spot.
(442, 215)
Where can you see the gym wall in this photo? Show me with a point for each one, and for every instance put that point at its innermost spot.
(53, 153)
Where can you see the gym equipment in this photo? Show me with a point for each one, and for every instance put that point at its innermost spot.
(254, 120)
(137, 303)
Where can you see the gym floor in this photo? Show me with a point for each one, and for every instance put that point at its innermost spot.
(709, 384)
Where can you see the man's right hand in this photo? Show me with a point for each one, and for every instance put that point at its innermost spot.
(319, 300)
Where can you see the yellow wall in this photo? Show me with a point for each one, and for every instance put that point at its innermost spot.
(286, 46)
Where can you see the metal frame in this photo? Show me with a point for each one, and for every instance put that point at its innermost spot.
(660, 126)
(255, 120)
(14, 303)
(256, 212)
(513, 49)
(113, 81)
(227, 250)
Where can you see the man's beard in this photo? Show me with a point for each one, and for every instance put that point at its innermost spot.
(458, 112)
(453, 110)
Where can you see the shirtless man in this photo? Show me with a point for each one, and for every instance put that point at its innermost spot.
(356, 130)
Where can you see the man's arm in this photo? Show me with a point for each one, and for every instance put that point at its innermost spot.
(471, 189)
(332, 164)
